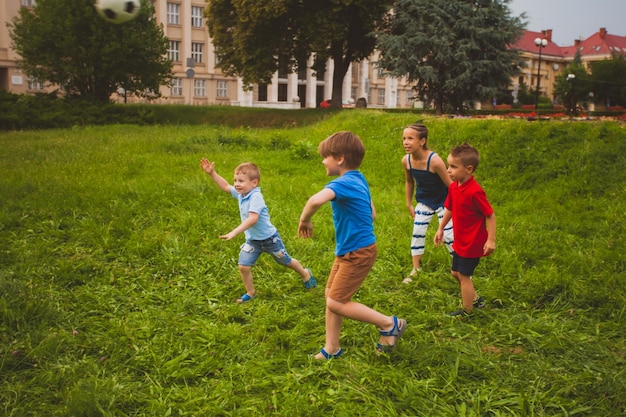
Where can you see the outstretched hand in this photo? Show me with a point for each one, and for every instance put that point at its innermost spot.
(305, 229)
(207, 166)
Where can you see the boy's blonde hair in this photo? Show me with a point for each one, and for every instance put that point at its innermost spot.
(249, 169)
(467, 154)
(345, 144)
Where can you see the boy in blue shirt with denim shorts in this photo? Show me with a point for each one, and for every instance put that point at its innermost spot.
(261, 235)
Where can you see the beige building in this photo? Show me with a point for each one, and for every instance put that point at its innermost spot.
(198, 81)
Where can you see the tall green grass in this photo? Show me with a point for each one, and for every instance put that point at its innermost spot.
(117, 296)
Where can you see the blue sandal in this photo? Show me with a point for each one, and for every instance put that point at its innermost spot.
(399, 326)
(245, 298)
(329, 356)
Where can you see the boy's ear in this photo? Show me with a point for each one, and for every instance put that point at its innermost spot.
(470, 169)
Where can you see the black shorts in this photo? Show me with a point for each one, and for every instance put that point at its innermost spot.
(465, 266)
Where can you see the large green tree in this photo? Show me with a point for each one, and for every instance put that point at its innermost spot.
(64, 42)
(253, 38)
(454, 51)
(608, 79)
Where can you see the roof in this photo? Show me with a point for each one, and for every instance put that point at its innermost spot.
(600, 43)
(527, 43)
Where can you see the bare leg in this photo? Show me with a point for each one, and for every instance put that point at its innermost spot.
(246, 277)
(297, 266)
(468, 293)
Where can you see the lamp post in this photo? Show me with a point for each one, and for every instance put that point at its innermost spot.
(541, 43)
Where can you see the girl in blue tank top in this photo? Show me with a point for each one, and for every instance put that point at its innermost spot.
(427, 178)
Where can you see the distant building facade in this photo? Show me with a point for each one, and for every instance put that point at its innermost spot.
(198, 80)
(555, 59)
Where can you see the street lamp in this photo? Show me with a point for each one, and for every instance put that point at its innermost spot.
(541, 43)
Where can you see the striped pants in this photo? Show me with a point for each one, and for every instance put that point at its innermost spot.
(423, 216)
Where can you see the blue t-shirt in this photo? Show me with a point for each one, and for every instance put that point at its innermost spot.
(255, 203)
(352, 212)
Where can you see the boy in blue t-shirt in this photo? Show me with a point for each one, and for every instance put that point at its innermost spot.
(261, 235)
(356, 250)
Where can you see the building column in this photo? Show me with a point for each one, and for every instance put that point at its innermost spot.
(244, 97)
(347, 85)
(364, 87)
(328, 80)
(311, 85)
(292, 87)
(272, 89)
(391, 92)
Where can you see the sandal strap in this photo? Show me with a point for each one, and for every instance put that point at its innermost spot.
(327, 355)
(395, 330)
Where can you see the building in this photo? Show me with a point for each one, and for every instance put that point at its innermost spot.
(555, 59)
(198, 80)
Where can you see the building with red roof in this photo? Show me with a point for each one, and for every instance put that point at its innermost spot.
(555, 59)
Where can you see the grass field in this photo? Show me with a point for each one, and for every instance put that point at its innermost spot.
(117, 296)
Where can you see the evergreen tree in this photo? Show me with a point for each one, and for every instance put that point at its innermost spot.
(65, 42)
(455, 51)
(253, 37)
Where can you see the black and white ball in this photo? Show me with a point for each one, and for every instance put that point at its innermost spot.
(118, 11)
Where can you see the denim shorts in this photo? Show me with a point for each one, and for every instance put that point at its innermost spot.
(252, 249)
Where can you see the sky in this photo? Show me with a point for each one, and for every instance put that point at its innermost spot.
(572, 19)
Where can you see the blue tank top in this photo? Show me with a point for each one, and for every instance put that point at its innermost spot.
(430, 189)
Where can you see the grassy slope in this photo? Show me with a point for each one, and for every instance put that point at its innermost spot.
(117, 295)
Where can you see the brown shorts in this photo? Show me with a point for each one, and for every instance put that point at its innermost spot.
(349, 272)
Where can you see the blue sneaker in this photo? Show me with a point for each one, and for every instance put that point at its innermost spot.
(311, 283)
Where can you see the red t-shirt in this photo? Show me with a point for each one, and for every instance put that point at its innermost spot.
(470, 207)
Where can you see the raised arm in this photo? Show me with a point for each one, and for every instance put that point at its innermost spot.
(305, 228)
(209, 168)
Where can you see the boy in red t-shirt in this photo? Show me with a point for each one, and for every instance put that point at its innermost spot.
(474, 223)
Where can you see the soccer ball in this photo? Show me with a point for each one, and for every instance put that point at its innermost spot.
(117, 11)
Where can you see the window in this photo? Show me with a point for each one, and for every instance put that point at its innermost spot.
(29, 3)
(173, 51)
(262, 92)
(34, 84)
(173, 14)
(282, 92)
(381, 96)
(196, 51)
(176, 89)
(222, 88)
(199, 88)
(196, 16)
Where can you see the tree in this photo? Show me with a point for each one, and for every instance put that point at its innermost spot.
(453, 50)
(609, 80)
(253, 37)
(572, 86)
(64, 42)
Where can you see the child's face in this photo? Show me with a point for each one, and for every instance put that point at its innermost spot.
(410, 142)
(332, 165)
(243, 184)
(458, 171)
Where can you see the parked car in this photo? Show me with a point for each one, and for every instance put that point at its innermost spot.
(326, 103)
